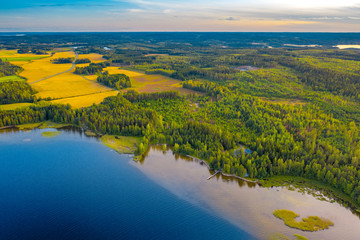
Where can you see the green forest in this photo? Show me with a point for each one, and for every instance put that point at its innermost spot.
(298, 113)
(117, 81)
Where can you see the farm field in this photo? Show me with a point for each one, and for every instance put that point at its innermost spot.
(66, 88)
(117, 70)
(67, 85)
(94, 57)
(78, 91)
(157, 83)
(86, 100)
(13, 56)
(42, 68)
(142, 82)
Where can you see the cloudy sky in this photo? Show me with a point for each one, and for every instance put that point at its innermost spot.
(180, 15)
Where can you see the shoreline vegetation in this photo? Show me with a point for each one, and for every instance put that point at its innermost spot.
(50, 134)
(310, 224)
(129, 145)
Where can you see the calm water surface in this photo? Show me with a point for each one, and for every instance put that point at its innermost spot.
(246, 205)
(73, 187)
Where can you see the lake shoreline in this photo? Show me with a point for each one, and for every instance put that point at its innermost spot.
(267, 182)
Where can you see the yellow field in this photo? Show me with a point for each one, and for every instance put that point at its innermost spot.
(41, 68)
(116, 70)
(67, 85)
(94, 57)
(87, 100)
(92, 77)
(154, 83)
(80, 92)
(13, 56)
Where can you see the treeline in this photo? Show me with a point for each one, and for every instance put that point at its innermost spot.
(286, 140)
(16, 92)
(212, 89)
(8, 69)
(130, 57)
(117, 81)
(134, 96)
(93, 68)
(32, 50)
(62, 60)
(82, 60)
(163, 72)
(115, 115)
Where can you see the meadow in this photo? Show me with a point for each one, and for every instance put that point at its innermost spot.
(13, 106)
(86, 100)
(146, 83)
(67, 85)
(66, 88)
(11, 78)
(42, 68)
(13, 56)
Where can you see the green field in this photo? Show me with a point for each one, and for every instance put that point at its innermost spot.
(11, 78)
(22, 59)
(14, 106)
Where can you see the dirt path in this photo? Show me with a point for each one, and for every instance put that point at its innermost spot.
(70, 69)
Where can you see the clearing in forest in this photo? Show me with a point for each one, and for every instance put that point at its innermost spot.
(149, 82)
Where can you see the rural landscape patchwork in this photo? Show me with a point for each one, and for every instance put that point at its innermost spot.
(164, 133)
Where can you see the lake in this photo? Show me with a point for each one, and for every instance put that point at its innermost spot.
(73, 187)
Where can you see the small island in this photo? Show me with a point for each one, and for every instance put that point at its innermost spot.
(50, 134)
(311, 223)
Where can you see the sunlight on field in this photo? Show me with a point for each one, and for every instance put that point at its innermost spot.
(13, 56)
(87, 100)
(92, 77)
(94, 57)
(116, 70)
(42, 68)
(67, 85)
(157, 83)
(14, 106)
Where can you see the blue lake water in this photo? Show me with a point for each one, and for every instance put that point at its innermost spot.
(73, 187)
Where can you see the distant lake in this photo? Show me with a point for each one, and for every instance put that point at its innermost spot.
(347, 46)
(73, 187)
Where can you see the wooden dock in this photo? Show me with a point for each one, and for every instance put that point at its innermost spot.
(218, 171)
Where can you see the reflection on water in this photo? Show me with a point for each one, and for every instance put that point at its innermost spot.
(72, 187)
(244, 204)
